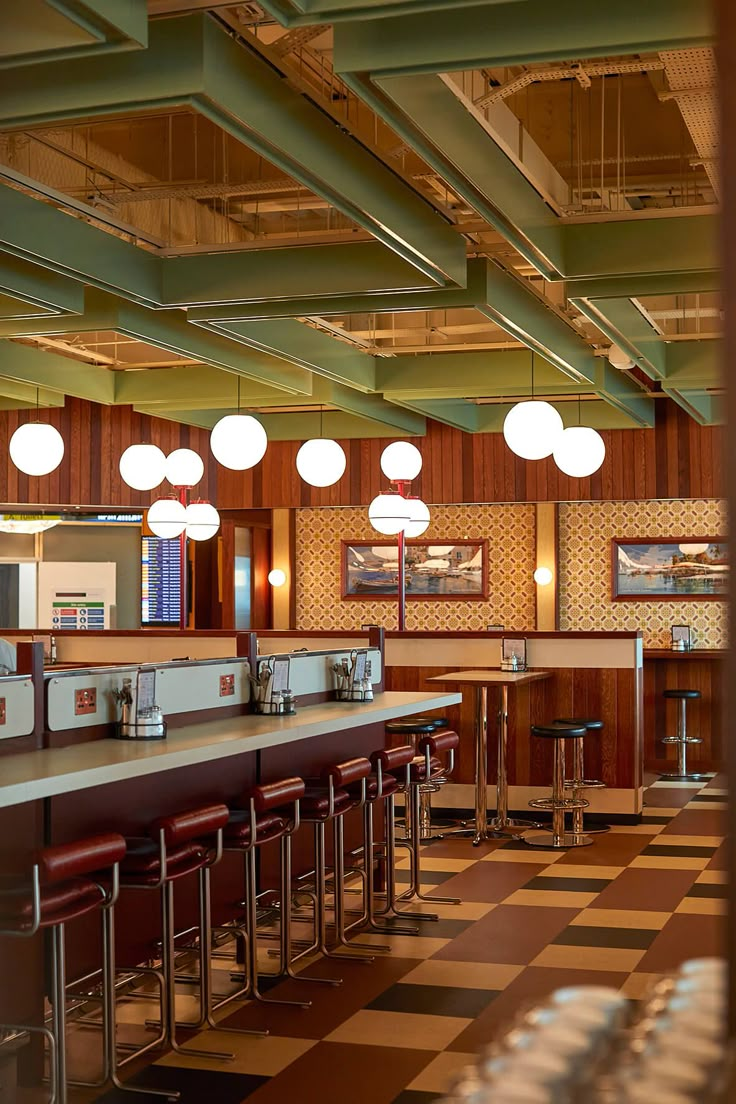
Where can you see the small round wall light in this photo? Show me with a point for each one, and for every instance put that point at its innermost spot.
(277, 577)
(543, 576)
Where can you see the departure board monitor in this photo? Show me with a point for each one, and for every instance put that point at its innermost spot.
(160, 581)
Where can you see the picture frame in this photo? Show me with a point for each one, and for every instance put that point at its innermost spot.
(453, 571)
(669, 569)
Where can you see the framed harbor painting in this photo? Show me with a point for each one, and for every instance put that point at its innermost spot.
(457, 570)
(670, 569)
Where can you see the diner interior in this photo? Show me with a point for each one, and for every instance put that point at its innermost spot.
(365, 682)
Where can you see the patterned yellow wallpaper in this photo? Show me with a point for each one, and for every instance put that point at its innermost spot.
(509, 530)
(586, 529)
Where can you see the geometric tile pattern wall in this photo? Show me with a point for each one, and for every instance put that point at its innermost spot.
(511, 534)
(586, 530)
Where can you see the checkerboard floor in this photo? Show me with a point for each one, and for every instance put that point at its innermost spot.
(621, 912)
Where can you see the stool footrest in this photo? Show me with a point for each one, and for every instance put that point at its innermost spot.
(682, 740)
(584, 784)
(569, 804)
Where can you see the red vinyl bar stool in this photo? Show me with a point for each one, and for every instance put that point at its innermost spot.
(382, 785)
(426, 767)
(579, 783)
(66, 882)
(328, 799)
(176, 846)
(271, 812)
(413, 728)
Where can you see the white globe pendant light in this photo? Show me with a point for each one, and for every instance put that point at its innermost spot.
(532, 429)
(389, 514)
(401, 461)
(202, 520)
(238, 441)
(143, 467)
(419, 517)
(167, 517)
(184, 467)
(36, 448)
(321, 462)
(580, 451)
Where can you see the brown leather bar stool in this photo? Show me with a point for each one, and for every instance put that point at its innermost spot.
(558, 804)
(271, 812)
(425, 768)
(328, 799)
(579, 783)
(682, 740)
(413, 728)
(177, 846)
(66, 882)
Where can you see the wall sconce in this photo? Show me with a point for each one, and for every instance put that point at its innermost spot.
(543, 576)
(277, 577)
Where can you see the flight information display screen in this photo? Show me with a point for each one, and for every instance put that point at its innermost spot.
(160, 581)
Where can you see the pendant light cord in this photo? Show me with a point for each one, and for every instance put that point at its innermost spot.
(532, 373)
(580, 415)
(238, 394)
(321, 420)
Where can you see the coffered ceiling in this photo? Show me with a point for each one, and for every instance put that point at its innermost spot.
(389, 210)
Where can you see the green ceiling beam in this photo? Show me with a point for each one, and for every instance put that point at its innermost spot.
(373, 407)
(27, 394)
(593, 412)
(303, 272)
(468, 375)
(296, 13)
(193, 386)
(42, 30)
(704, 408)
(40, 291)
(293, 426)
(431, 118)
(625, 325)
(695, 365)
(58, 373)
(98, 313)
(647, 247)
(453, 412)
(193, 61)
(38, 232)
(624, 393)
(464, 37)
(639, 286)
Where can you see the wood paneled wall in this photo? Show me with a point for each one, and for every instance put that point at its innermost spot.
(704, 716)
(677, 459)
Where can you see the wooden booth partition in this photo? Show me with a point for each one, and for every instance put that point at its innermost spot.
(701, 670)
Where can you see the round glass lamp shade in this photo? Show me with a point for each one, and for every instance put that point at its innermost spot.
(532, 429)
(580, 451)
(419, 517)
(277, 577)
(202, 519)
(617, 358)
(543, 576)
(143, 467)
(36, 448)
(167, 517)
(184, 467)
(238, 441)
(321, 462)
(389, 514)
(401, 461)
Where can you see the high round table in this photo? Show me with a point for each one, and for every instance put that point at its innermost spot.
(500, 826)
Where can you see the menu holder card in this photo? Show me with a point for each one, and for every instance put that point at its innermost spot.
(681, 638)
(513, 653)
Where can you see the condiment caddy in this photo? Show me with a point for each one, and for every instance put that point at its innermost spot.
(271, 693)
(353, 678)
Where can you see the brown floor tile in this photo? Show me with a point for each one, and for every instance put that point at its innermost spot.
(667, 797)
(331, 1073)
(719, 861)
(490, 881)
(511, 933)
(532, 985)
(460, 848)
(693, 822)
(657, 890)
(684, 936)
(610, 849)
(330, 1005)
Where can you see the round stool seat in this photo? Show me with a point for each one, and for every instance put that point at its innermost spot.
(559, 731)
(686, 694)
(419, 726)
(590, 725)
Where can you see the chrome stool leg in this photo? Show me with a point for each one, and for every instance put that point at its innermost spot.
(578, 784)
(415, 889)
(558, 805)
(682, 740)
(252, 913)
(287, 957)
(390, 855)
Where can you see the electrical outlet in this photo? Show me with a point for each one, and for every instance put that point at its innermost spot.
(227, 685)
(2, 711)
(85, 701)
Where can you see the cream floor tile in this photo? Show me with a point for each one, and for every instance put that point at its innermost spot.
(264, 1056)
(637, 986)
(532, 855)
(463, 975)
(679, 785)
(668, 862)
(573, 871)
(617, 959)
(713, 790)
(435, 1077)
(399, 1029)
(441, 863)
(621, 918)
(466, 910)
(657, 811)
(545, 898)
(406, 946)
(671, 840)
(703, 906)
(637, 829)
(713, 877)
(699, 806)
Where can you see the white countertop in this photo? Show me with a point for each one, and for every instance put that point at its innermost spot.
(32, 775)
